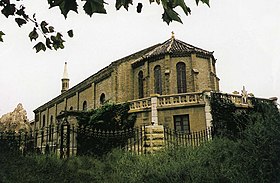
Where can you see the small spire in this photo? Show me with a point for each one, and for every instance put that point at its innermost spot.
(172, 35)
(65, 79)
(65, 72)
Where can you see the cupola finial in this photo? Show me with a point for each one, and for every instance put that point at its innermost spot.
(172, 35)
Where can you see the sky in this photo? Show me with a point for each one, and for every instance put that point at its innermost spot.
(244, 35)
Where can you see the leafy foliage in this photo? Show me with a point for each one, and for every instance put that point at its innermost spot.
(232, 122)
(253, 158)
(97, 6)
(228, 121)
(94, 6)
(1, 34)
(90, 7)
(104, 129)
(17, 10)
(108, 117)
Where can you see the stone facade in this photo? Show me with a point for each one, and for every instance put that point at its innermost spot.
(174, 74)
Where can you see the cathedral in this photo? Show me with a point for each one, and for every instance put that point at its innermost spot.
(166, 84)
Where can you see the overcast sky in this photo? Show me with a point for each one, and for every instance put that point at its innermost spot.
(244, 35)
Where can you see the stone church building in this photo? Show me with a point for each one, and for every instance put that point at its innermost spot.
(166, 84)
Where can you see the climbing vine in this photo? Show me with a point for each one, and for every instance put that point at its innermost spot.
(104, 129)
(108, 117)
(231, 122)
(228, 121)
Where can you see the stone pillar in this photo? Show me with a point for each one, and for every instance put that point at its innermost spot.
(93, 95)
(154, 109)
(208, 116)
(194, 73)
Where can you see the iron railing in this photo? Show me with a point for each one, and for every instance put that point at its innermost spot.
(66, 140)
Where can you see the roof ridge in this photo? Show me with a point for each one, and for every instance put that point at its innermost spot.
(170, 45)
(192, 46)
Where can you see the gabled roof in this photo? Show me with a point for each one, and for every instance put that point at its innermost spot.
(173, 47)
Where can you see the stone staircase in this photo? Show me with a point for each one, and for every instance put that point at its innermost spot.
(154, 138)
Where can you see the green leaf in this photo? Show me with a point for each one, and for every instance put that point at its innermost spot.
(70, 33)
(57, 41)
(43, 27)
(21, 12)
(169, 15)
(39, 46)
(51, 29)
(64, 5)
(94, 6)
(54, 3)
(206, 2)
(20, 21)
(124, 3)
(203, 1)
(182, 4)
(8, 10)
(48, 43)
(1, 34)
(139, 7)
(158, 1)
(33, 34)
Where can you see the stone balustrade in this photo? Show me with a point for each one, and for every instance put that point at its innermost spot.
(183, 98)
(238, 100)
(142, 103)
(168, 100)
(186, 99)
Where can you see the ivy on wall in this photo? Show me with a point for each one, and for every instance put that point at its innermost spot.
(231, 122)
(103, 129)
(228, 121)
(110, 116)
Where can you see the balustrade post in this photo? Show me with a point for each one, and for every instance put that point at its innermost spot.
(207, 109)
(154, 102)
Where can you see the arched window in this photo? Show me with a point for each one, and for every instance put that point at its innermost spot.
(51, 120)
(44, 121)
(181, 77)
(84, 105)
(102, 99)
(157, 76)
(140, 85)
(71, 108)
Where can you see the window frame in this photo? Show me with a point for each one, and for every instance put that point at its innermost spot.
(181, 119)
(85, 105)
(181, 77)
(102, 98)
(157, 80)
(140, 84)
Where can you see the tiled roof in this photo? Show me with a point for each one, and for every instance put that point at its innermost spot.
(173, 47)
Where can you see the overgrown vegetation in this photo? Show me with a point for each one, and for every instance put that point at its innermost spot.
(110, 116)
(104, 129)
(221, 160)
(253, 155)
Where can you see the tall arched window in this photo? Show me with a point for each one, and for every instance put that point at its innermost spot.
(84, 105)
(44, 121)
(181, 77)
(51, 120)
(140, 85)
(157, 76)
(102, 99)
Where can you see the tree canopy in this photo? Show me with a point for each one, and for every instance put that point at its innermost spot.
(51, 39)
